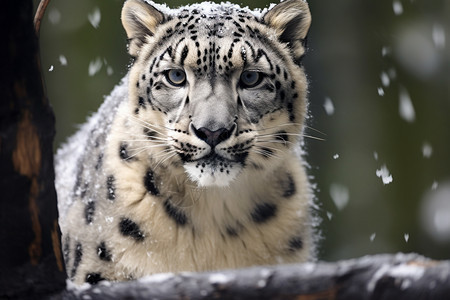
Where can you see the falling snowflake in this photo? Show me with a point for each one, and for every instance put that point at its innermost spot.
(95, 17)
(95, 66)
(385, 79)
(397, 7)
(438, 36)
(406, 108)
(384, 174)
(54, 16)
(340, 195)
(372, 236)
(329, 107)
(427, 150)
(63, 60)
(385, 51)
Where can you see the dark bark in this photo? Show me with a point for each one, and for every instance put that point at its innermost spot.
(30, 253)
(377, 277)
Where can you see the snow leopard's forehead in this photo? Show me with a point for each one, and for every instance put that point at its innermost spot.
(212, 38)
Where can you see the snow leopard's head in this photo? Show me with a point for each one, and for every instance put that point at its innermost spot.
(215, 88)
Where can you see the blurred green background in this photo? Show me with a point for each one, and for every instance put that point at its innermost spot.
(379, 76)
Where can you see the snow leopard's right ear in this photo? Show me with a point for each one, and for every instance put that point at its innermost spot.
(140, 20)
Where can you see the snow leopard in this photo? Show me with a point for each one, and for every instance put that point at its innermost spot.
(194, 161)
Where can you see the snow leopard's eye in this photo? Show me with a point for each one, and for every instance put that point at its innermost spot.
(176, 77)
(250, 79)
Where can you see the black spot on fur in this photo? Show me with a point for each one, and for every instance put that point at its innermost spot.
(141, 102)
(150, 134)
(99, 162)
(231, 231)
(266, 152)
(264, 212)
(111, 188)
(150, 184)
(289, 186)
(282, 136)
(123, 152)
(103, 253)
(295, 243)
(94, 278)
(77, 259)
(131, 229)
(175, 213)
(66, 249)
(89, 212)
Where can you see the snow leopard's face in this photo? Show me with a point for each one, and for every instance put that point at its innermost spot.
(216, 89)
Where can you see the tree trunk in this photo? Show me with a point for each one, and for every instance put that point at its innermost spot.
(31, 262)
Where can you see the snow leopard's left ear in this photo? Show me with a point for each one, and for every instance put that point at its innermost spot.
(140, 20)
(291, 20)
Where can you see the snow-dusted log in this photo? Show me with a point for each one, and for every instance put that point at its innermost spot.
(400, 276)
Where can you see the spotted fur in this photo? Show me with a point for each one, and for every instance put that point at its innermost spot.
(192, 163)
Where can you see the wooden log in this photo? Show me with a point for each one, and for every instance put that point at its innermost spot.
(396, 277)
(31, 262)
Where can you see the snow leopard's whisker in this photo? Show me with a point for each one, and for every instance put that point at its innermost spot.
(158, 140)
(294, 134)
(313, 129)
(284, 142)
(134, 154)
(169, 154)
(143, 122)
(140, 150)
(164, 152)
(147, 147)
(293, 124)
(269, 148)
(313, 137)
(149, 126)
(148, 137)
(280, 125)
(265, 153)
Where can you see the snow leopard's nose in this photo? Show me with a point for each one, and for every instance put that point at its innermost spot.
(213, 138)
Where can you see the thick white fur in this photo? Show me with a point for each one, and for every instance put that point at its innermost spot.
(212, 201)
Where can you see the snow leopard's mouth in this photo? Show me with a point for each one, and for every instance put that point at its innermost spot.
(214, 161)
(213, 170)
